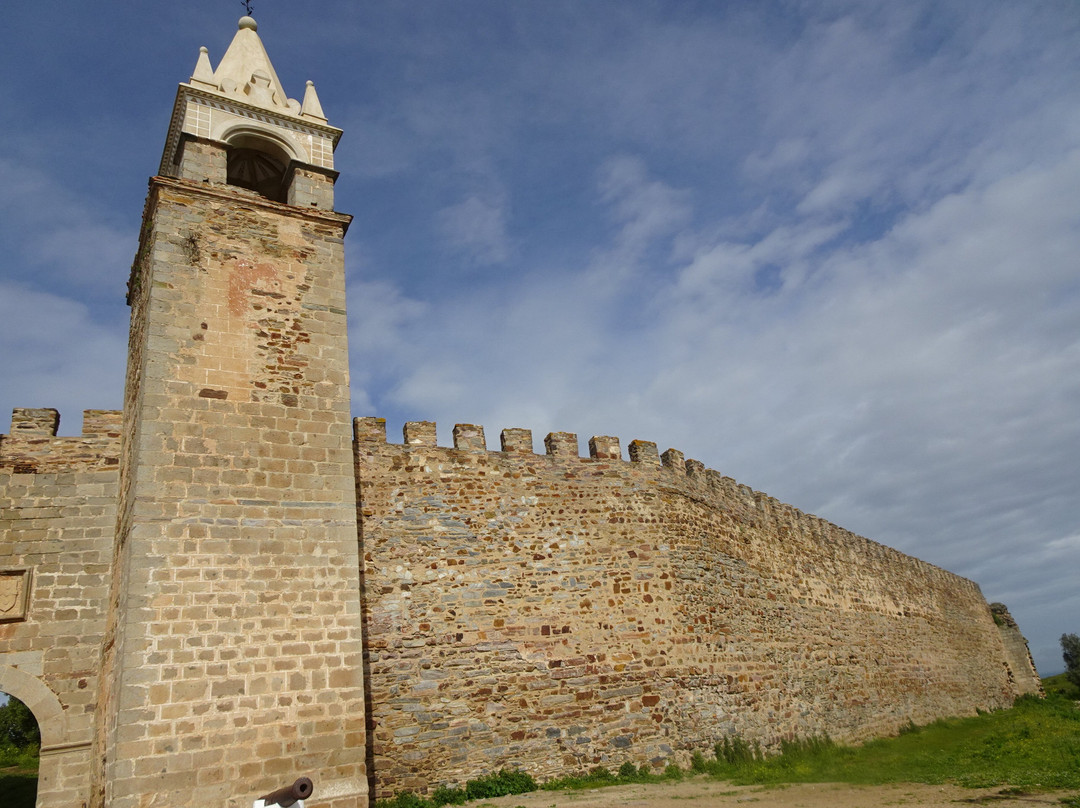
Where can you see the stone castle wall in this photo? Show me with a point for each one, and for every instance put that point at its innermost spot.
(57, 521)
(557, 612)
(33, 445)
(553, 612)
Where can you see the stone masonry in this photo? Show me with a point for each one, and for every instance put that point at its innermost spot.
(230, 584)
(1021, 665)
(57, 523)
(559, 612)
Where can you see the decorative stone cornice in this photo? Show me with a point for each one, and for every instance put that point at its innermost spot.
(245, 97)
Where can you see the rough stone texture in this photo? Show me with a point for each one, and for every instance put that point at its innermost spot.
(233, 661)
(56, 530)
(556, 612)
(202, 160)
(33, 446)
(1017, 654)
(546, 611)
(310, 187)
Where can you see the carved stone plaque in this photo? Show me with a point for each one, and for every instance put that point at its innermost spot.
(14, 594)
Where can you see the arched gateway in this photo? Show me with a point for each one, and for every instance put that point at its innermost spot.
(64, 768)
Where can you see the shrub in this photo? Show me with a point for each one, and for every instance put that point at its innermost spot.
(499, 785)
(448, 796)
(673, 772)
(734, 751)
(405, 799)
(697, 763)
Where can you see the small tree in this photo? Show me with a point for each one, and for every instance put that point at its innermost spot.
(1070, 651)
(18, 727)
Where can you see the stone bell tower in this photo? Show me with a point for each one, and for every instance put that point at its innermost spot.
(232, 661)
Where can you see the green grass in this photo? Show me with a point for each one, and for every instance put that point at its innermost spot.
(18, 776)
(500, 784)
(628, 773)
(1036, 744)
(1060, 686)
(19, 787)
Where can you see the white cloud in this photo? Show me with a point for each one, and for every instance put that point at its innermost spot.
(647, 209)
(907, 386)
(477, 227)
(56, 355)
(64, 238)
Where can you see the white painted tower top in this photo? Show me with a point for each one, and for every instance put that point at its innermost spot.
(244, 98)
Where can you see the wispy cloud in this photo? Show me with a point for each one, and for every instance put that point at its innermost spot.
(55, 355)
(477, 228)
(64, 238)
(828, 248)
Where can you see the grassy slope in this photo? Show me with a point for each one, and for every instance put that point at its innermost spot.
(1034, 745)
(1059, 685)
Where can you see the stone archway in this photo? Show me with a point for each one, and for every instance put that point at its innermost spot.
(64, 768)
(42, 702)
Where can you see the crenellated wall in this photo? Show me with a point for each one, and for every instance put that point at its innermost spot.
(556, 612)
(57, 521)
(33, 446)
(547, 611)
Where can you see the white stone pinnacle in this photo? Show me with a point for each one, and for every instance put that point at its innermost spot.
(245, 72)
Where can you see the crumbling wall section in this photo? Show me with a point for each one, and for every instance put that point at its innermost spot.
(1017, 653)
(557, 612)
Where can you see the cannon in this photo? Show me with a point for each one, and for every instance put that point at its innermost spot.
(300, 790)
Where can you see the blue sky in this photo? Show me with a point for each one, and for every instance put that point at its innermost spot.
(830, 249)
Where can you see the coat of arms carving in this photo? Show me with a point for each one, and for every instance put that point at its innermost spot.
(14, 594)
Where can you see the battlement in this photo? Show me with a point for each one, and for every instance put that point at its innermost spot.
(33, 446)
(370, 433)
(514, 440)
(632, 585)
(671, 469)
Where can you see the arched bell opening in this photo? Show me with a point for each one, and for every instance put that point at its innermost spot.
(259, 165)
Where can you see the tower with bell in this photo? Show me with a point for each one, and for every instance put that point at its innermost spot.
(233, 654)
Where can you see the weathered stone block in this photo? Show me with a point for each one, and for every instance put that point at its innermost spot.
(561, 444)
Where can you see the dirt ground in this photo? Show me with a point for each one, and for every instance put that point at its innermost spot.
(707, 793)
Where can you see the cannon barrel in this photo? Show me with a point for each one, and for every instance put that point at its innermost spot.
(300, 790)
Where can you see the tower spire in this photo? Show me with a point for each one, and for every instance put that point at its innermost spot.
(243, 98)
